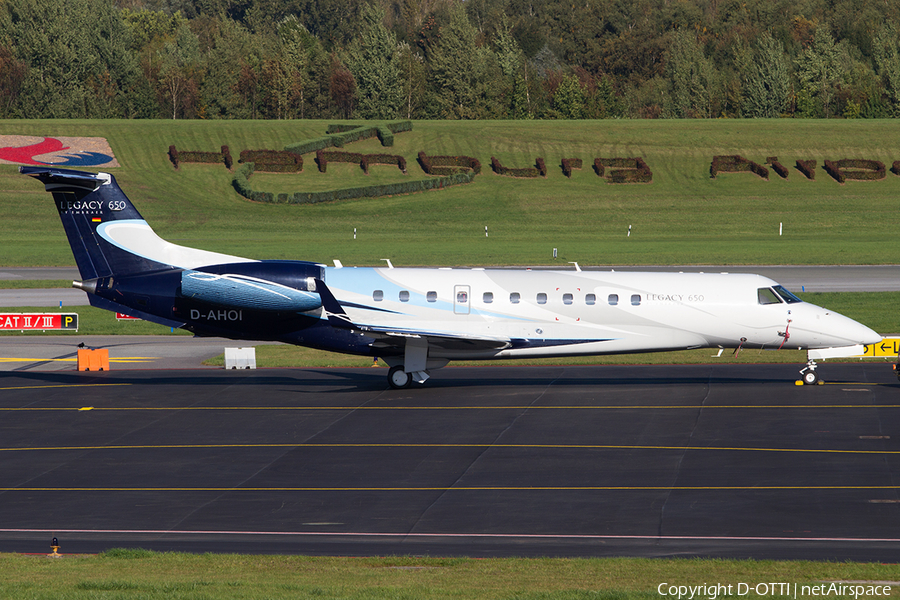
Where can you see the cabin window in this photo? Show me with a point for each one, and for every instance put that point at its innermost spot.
(635, 299)
(542, 298)
(613, 299)
(404, 296)
(767, 296)
(488, 297)
(568, 298)
(462, 297)
(431, 296)
(786, 295)
(378, 295)
(590, 299)
(514, 297)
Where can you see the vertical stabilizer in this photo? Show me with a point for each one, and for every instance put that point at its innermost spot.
(107, 234)
(88, 202)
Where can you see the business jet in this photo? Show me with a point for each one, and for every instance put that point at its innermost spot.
(419, 319)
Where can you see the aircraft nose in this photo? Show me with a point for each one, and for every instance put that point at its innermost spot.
(852, 331)
(868, 336)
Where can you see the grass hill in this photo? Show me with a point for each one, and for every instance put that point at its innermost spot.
(683, 217)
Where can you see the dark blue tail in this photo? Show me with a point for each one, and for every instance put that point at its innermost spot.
(87, 201)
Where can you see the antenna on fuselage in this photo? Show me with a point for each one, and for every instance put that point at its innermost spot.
(388, 261)
(577, 268)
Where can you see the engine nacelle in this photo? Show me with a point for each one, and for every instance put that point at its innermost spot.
(244, 291)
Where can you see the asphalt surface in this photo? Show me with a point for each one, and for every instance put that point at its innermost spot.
(711, 460)
(59, 352)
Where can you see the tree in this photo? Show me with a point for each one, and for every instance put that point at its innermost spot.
(568, 100)
(177, 60)
(691, 75)
(766, 80)
(343, 87)
(818, 72)
(886, 50)
(72, 48)
(415, 79)
(374, 61)
(230, 83)
(284, 70)
(458, 68)
(12, 74)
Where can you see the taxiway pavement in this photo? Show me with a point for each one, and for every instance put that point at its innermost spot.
(700, 460)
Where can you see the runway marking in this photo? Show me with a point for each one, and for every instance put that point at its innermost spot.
(603, 488)
(44, 387)
(438, 445)
(448, 408)
(565, 536)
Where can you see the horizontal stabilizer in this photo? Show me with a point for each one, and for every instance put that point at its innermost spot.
(53, 178)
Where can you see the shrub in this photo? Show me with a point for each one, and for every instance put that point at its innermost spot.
(383, 159)
(736, 164)
(312, 145)
(623, 170)
(777, 166)
(226, 156)
(499, 169)
(541, 166)
(385, 136)
(895, 167)
(400, 126)
(448, 165)
(339, 128)
(273, 161)
(808, 168)
(568, 164)
(241, 184)
(323, 157)
(832, 169)
(861, 169)
(337, 135)
(191, 156)
(372, 191)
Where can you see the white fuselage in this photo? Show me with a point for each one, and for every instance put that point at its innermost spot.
(587, 312)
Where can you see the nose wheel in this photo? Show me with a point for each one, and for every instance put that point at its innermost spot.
(810, 377)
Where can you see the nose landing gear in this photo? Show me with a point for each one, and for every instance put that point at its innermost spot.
(809, 375)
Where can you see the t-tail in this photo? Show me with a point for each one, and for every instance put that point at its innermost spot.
(91, 207)
(124, 266)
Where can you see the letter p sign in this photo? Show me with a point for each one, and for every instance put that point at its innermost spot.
(69, 321)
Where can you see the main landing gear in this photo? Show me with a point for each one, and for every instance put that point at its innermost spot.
(398, 378)
(810, 377)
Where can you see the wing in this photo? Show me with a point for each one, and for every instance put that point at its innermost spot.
(398, 336)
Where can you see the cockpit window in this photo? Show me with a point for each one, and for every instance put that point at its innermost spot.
(767, 296)
(786, 295)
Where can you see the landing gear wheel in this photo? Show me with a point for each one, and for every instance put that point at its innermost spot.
(810, 377)
(398, 378)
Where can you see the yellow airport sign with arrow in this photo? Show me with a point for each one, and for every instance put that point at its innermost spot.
(886, 347)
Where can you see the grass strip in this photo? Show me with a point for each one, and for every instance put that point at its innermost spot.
(682, 217)
(175, 576)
